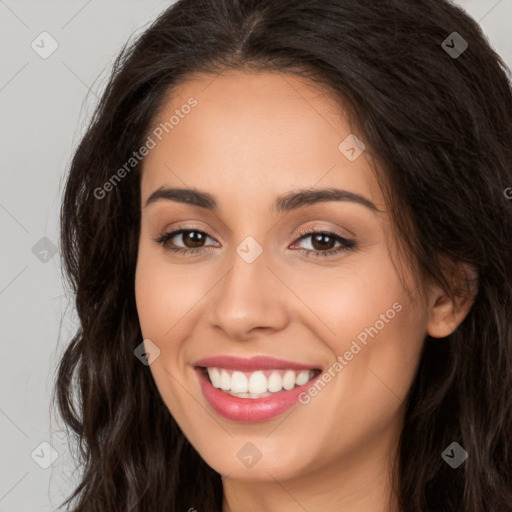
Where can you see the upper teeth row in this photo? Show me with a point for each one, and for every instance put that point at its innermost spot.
(257, 382)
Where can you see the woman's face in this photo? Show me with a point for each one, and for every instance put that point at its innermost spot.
(256, 287)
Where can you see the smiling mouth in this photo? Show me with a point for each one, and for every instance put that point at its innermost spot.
(256, 384)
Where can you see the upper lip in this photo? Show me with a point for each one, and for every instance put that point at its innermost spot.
(251, 364)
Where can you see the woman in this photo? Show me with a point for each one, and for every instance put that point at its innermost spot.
(289, 236)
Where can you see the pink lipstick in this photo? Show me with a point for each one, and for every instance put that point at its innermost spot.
(253, 390)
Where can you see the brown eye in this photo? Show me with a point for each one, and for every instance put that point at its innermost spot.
(323, 243)
(193, 238)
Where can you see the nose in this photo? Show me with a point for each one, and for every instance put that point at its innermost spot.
(248, 300)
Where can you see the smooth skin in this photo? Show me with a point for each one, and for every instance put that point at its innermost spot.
(252, 137)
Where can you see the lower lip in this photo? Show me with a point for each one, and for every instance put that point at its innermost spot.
(250, 410)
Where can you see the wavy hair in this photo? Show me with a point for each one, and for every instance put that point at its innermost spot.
(440, 130)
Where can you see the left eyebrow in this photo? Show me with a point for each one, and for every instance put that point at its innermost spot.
(284, 203)
(306, 197)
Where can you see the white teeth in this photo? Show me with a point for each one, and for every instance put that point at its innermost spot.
(239, 383)
(275, 382)
(249, 395)
(214, 377)
(302, 378)
(256, 384)
(289, 380)
(225, 380)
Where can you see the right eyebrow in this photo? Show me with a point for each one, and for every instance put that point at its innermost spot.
(184, 195)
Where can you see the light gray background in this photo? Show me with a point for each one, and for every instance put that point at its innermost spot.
(44, 108)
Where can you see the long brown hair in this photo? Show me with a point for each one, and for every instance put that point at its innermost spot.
(440, 128)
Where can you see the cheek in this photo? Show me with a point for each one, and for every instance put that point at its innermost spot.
(152, 295)
(351, 297)
(164, 294)
(365, 316)
(162, 298)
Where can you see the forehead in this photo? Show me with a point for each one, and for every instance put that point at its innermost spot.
(257, 131)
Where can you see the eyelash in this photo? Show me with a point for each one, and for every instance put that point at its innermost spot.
(346, 245)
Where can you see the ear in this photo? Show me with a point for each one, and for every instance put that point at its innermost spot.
(446, 314)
